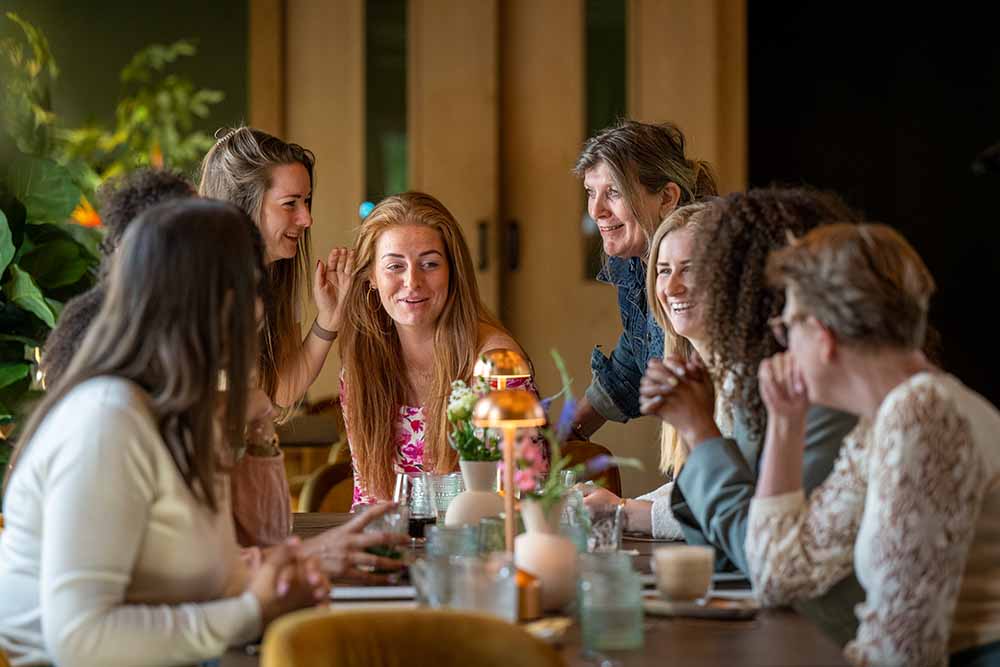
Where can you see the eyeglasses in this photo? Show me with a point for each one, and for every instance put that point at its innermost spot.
(780, 328)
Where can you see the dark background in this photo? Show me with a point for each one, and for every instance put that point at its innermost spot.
(889, 107)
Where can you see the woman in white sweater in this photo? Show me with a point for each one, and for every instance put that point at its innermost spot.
(118, 547)
(913, 503)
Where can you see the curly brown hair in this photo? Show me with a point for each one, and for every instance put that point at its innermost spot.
(731, 277)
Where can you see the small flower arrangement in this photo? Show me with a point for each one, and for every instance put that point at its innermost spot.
(471, 443)
(530, 477)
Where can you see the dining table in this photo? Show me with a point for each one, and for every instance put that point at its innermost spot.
(772, 637)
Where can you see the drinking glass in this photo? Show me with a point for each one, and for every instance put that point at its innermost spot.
(610, 602)
(412, 493)
(605, 528)
(452, 541)
(394, 521)
(443, 489)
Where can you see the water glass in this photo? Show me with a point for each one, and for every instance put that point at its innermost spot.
(452, 541)
(431, 577)
(492, 537)
(609, 598)
(394, 521)
(486, 585)
(606, 522)
(443, 489)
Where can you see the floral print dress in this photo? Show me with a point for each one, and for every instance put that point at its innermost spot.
(408, 440)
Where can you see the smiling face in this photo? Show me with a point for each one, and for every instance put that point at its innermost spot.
(411, 273)
(286, 211)
(622, 234)
(675, 285)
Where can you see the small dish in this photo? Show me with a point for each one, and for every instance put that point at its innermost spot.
(709, 607)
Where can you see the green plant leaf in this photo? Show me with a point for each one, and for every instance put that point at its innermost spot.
(56, 263)
(88, 237)
(10, 373)
(6, 243)
(23, 292)
(45, 188)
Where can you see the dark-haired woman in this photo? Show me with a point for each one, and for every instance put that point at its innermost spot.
(118, 547)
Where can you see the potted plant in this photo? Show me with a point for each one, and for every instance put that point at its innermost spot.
(478, 453)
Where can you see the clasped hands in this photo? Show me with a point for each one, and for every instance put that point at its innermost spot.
(681, 393)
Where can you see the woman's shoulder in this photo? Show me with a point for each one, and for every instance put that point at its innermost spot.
(492, 337)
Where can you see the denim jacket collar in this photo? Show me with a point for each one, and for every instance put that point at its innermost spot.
(622, 272)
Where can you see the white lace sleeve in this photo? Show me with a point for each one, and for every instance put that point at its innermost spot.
(796, 550)
(665, 526)
(927, 481)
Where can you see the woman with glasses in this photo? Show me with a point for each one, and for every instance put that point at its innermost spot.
(913, 504)
(712, 490)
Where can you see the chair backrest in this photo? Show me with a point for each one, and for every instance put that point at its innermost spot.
(328, 489)
(388, 638)
(581, 451)
(4, 662)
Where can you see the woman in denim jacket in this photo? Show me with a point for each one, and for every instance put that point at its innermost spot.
(635, 174)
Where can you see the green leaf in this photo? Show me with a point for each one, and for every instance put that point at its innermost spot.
(6, 243)
(56, 263)
(30, 342)
(88, 237)
(10, 373)
(45, 188)
(23, 292)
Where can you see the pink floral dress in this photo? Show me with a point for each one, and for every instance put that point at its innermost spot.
(408, 437)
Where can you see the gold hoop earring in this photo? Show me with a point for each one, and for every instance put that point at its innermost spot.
(372, 290)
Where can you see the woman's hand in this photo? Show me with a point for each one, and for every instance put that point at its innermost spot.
(287, 580)
(330, 284)
(595, 496)
(681, 394)
(783, 390)
(341, 550)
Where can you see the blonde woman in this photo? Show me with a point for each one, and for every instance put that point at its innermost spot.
(673, 301)
(913, 503)
(415, 323)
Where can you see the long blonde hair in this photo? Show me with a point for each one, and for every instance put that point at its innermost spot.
(690, 217)
(374, 373)
(238, 169)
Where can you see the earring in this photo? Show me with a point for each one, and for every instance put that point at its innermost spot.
(372, 290)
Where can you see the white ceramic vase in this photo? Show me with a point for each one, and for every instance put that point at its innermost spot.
(480, 498)
(546, 554)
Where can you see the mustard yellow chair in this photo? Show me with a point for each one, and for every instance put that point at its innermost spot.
(328, 489)
(401, 638)
(3, 659)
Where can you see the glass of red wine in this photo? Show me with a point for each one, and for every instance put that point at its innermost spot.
(413, 492)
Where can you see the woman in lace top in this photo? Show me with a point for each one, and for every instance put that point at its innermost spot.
(415, 324)
(913, 503)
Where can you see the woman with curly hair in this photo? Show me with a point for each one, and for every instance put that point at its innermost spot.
(635, 174)
(712, 490)
(122, 200)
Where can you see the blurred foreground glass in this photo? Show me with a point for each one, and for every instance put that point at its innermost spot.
(412, 493)
(395, 521)
(486, 585)
(609, 599)
(452, 541)
(605, 528)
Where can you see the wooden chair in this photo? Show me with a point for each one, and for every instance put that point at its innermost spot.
(388, 638)
(3, 659)
(328, 489)
(581, 451)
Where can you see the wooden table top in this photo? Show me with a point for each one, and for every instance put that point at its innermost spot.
(773, 637)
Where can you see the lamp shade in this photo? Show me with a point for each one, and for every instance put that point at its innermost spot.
(501, 363)
(510, 408)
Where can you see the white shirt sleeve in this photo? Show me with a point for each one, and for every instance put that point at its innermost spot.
(665, 526)
(99, 493)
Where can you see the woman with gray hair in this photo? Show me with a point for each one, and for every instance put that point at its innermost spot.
(913, 502)
(635, 174)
